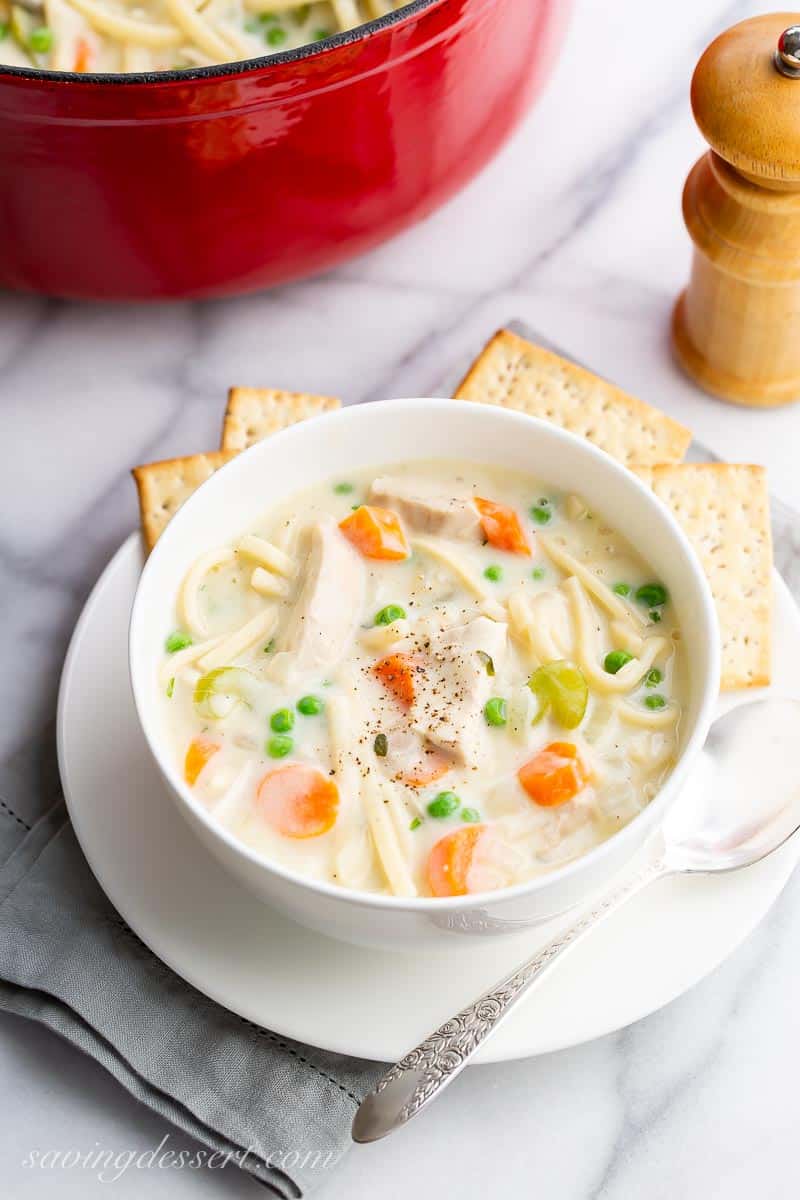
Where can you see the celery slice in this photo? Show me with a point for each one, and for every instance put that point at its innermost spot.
(560, 686)
(220, 691)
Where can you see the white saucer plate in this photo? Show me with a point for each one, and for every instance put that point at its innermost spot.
(334, 996)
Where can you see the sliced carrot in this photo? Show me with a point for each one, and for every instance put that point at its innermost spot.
(298, 800)
(201, 750)
(396, 673)
(554, 775)
(432, 765)
(376, 533)
(501, 527)
(83, 56)
(450, 860)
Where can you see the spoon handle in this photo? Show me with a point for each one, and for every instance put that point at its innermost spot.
(424, 1073)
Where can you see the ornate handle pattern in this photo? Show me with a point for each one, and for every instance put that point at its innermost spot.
(427, 1069)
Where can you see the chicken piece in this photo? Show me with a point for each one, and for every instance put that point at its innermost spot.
(427, 511)
(324, 619)
(454, 686)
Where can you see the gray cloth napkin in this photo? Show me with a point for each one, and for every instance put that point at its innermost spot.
(281, 1110)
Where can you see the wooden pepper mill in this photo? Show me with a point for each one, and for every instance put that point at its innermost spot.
(736, 328)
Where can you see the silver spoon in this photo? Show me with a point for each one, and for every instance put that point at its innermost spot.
(732, 814)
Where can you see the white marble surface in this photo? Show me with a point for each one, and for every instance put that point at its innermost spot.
(575, 228)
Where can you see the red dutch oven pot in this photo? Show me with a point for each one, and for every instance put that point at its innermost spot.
(231, 178)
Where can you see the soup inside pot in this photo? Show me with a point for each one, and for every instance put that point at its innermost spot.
(167, 35)
(432, 679)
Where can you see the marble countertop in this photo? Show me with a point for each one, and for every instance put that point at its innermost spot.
(576, 229)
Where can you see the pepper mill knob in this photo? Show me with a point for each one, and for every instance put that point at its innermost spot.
(736, 328)
(787, 56)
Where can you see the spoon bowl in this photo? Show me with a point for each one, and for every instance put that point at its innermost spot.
(734, 811)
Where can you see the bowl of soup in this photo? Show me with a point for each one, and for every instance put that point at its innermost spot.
(169, 149)
(419, 669)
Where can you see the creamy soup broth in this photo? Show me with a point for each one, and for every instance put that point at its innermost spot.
(496, 698)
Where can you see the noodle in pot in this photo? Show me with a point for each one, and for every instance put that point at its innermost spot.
(91, 36)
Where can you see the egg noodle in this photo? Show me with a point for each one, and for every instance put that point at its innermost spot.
(160, 35)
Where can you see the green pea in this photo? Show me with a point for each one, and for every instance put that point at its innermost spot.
(282, 720)
(444, 805)
(319, 35)
(653, 678)
(343, 489)
(415, 824)
(381, 745)
(170, 688)
(276, 36)
(538, 573)
(495, 711)
(542, 513)
(654, 702)
(280, 745)
(622, 589)
(177, 641)
(615, 660)
(310, 706)
(390, 614)
(652, 595)
(40, 40)
(471, 815)
(494, 573)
